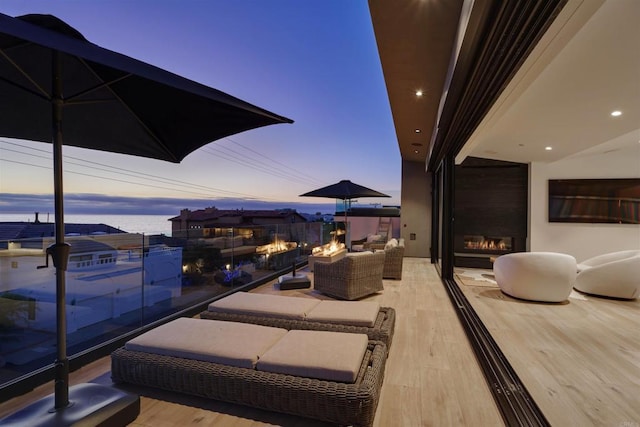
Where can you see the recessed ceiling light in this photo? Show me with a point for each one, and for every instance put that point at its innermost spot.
(616, 113)
(418, 131)
(416, 151)
(418, 93)
(548, 148)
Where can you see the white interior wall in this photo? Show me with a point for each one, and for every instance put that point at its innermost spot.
(581, 240)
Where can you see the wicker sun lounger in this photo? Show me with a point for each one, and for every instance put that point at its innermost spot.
(286, 317)
(345, 403)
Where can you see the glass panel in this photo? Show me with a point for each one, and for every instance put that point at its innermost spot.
(119, 282)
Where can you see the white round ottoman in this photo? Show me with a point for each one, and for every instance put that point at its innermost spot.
(536, 276)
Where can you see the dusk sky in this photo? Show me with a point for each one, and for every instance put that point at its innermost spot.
(314, 61)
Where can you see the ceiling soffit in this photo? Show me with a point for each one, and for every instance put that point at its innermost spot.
(415, 42)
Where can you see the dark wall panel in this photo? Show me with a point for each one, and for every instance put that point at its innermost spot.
(491, 200)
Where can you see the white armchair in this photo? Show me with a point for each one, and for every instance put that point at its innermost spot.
(536, 276)
(616, 274)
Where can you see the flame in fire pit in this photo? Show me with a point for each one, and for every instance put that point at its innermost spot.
(277, 246)
(329, 249)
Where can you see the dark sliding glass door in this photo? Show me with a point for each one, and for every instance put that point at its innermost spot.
(442, 217)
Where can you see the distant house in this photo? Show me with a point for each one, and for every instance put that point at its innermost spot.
(213, 222)
(31, 234)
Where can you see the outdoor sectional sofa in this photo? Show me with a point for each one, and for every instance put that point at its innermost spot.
(329, 376)
(364, 317)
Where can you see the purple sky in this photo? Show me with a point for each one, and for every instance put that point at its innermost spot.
(315, 62)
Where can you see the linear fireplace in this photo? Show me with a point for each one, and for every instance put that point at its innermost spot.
(490, 211)
(476, 250)
(487, 244)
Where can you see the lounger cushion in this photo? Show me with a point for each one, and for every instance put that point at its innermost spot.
(357, 313)
(332, 356)
(264, 305)
(226, 343)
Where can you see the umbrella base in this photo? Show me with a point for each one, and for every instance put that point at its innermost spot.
(89, 405)
(287, 282)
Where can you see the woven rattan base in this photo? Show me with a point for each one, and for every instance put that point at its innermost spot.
(340, 403)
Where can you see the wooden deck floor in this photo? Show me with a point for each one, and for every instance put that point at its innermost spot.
(580, 361)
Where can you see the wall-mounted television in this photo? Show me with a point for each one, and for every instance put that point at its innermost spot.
(612, 201)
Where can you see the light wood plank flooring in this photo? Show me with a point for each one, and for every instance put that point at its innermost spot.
(432, 377)
(580, 360)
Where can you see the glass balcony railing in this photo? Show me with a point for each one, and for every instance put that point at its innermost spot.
(117, 283)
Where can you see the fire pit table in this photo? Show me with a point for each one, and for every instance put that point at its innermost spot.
(327, 253)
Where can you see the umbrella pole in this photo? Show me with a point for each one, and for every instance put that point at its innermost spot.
(60, 250)
(90, 404)
(347, 244)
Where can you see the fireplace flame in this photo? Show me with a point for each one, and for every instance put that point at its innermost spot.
(487, 244)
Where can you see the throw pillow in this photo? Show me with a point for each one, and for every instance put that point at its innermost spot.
(391, 244)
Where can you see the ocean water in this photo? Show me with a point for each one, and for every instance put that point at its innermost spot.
(147, 224)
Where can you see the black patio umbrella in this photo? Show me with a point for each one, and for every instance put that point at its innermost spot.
(346, 191)
(54, 84)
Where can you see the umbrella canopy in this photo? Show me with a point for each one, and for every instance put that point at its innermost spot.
(55, 84)
(110, 102)
(344, 190)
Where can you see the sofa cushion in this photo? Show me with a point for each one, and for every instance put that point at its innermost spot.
(357, 313)
(357, 254)
(226, 343)
(332, 356)
(265, 305)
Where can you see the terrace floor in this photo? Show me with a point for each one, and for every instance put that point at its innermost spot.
(579, 360)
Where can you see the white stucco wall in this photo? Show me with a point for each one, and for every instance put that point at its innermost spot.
(581, 240)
